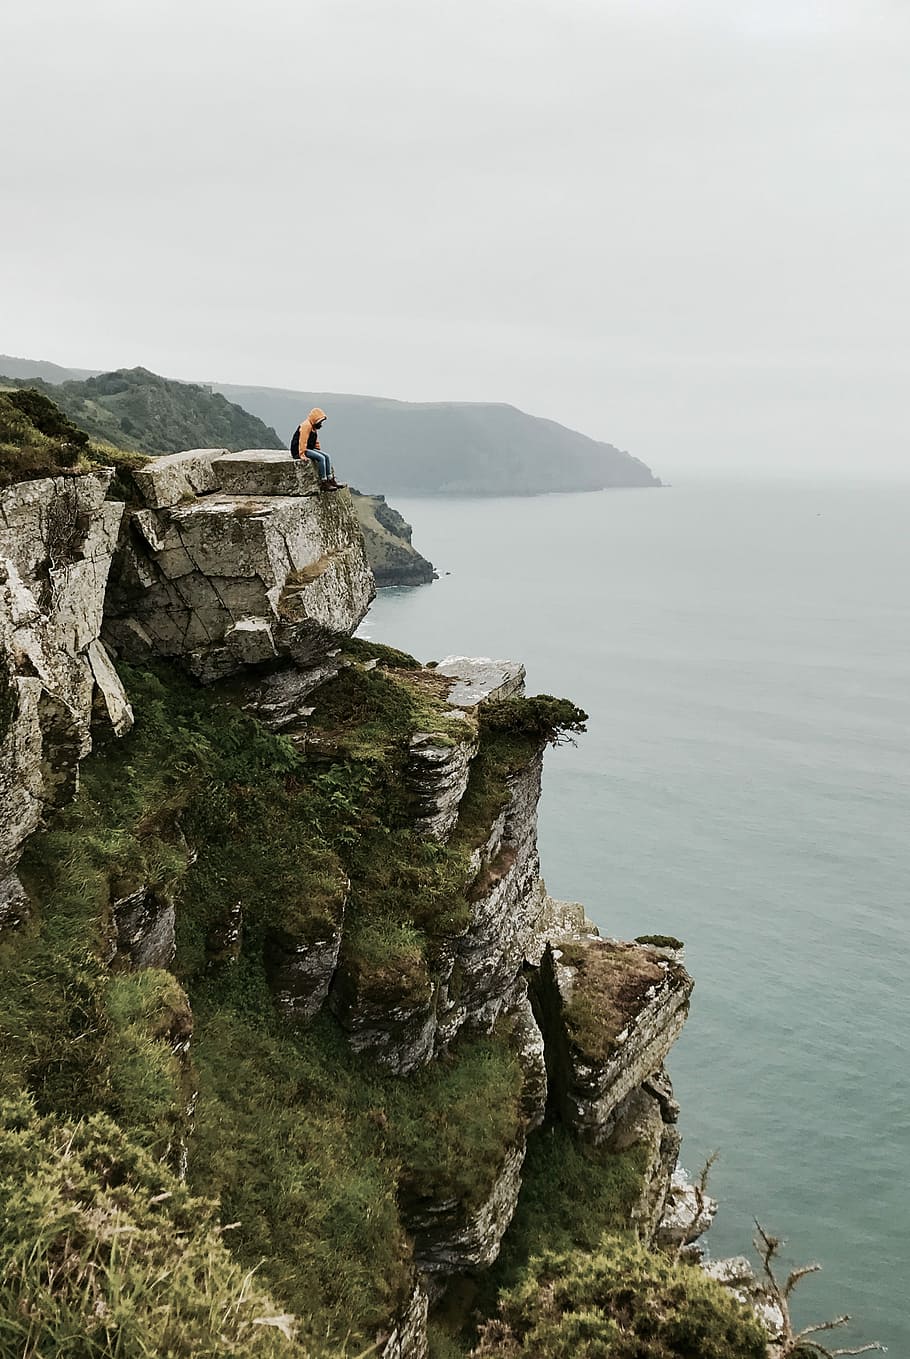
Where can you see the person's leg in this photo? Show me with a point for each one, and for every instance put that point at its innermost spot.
(320, 462)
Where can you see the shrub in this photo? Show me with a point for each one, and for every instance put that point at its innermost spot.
(543, 718)
(362, 649)
(660, 940)
(621, 1302)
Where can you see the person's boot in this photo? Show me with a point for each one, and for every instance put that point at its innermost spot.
(325, 484)
(334, 485)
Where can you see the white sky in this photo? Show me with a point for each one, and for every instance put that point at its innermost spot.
(679, 225)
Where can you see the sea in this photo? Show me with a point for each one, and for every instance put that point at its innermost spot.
(743, 653)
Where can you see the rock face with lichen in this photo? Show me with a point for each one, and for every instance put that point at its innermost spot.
(236, 560)
(58, 688)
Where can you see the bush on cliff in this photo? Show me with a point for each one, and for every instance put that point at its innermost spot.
(542, 718)
(621, 1302)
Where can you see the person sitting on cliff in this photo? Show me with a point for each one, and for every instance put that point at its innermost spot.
(306, 440)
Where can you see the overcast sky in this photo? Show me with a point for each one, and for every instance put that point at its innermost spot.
(679, 225)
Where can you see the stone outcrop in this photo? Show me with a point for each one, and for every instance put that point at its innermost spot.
(393, 558)
(448, 1240)
(737, 1275)
(477, 679)
(57, 538)
(439, 768)
(144, 925)
(487, 960)
(408, 1339)
(301, 969)
(688, 1212)
(610, 1012)
(389, 1014)
(224, 579)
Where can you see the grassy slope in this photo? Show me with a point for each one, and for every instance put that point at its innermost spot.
(38, 440)
(305, 1144)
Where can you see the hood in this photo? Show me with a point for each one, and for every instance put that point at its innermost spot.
(315, 414)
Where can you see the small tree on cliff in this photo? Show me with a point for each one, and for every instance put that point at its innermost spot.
(797, 1344)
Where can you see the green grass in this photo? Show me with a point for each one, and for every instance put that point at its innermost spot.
(312, 1150)
(104, 1254)
(609, 988)
(38, 440)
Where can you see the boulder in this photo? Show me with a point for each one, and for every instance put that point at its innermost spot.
(113, 711)
(224, 582)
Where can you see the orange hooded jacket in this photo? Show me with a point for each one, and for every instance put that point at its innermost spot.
(306, 428)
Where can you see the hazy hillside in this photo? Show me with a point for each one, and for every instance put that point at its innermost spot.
(139, 410)
(40, 368)
(453, 447)
(396, 447)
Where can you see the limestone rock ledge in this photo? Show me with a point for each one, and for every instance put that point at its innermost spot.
(236, 560)
(57, 685)
(610, 1012)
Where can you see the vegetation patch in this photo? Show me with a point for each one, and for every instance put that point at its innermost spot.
(660, 941)
(622, 1301)
(142, 412)
(151, 1084)
(362, 649)
(312, 1149)
(543, 718)
(104, 1253)
(608, 989)
(38, 440)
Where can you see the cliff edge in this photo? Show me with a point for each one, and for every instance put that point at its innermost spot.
(281, 986)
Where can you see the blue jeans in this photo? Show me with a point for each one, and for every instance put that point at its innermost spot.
(323, 466)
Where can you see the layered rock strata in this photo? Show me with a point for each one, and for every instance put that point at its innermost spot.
(611, 1012)
(57, 685)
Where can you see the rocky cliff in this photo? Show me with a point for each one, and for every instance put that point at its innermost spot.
(393, 558)
(288, 936)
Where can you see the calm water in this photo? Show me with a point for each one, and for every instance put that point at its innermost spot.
(744, 654)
